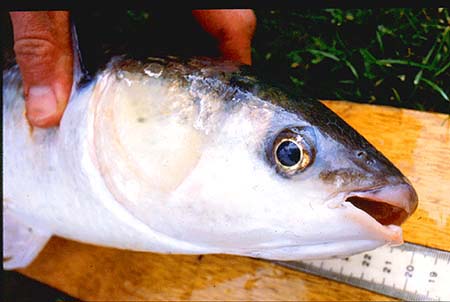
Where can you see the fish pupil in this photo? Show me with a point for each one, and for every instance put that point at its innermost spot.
(288, 153)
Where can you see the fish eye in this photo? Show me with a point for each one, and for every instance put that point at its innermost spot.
(288, 153)
(292, 151)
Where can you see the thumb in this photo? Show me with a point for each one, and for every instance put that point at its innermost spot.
(42, 44)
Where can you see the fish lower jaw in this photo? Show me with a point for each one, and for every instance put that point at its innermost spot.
(395, 233)
(376, 235)
(326, 250)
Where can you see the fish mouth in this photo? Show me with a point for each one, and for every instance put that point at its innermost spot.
(374, 216)
(390, 205)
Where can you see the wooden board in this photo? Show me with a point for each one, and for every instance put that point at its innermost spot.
(418, 143)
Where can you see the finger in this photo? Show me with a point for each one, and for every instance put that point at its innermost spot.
(233, 28)
(42, 44)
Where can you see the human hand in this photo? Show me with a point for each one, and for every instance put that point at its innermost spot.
(232, 28)
(43, 48)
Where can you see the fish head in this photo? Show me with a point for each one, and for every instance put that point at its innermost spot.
(289, 185)
(349, 196)
(258, 172)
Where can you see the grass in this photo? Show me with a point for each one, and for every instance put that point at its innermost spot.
(397, 57)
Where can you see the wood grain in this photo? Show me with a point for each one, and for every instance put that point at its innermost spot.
(418, 143)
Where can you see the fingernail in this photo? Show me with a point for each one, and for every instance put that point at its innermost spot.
(41, 104)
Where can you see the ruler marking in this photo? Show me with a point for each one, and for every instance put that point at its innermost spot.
(355, 274)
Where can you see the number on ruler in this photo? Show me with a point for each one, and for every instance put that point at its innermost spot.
(409, 270)
(366, 261)
(433, 275)
(386, 268)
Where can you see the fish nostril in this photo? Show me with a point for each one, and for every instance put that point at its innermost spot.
(364, 156)
(361, 154)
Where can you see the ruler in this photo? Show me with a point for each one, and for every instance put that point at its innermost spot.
(409, 271)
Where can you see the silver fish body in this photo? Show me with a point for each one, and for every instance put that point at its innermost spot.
(195, 157)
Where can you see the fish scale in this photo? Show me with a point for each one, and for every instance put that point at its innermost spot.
(409, 271)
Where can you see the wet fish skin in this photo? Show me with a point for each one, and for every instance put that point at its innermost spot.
(177, 156)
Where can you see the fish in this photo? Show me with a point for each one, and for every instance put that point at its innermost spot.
(195, 156)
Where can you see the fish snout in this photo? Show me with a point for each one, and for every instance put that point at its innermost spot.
(390, 204)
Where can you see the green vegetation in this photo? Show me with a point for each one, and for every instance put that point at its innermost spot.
(396, 57)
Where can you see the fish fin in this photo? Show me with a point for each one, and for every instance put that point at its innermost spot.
(80, 72)
(21, 243)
